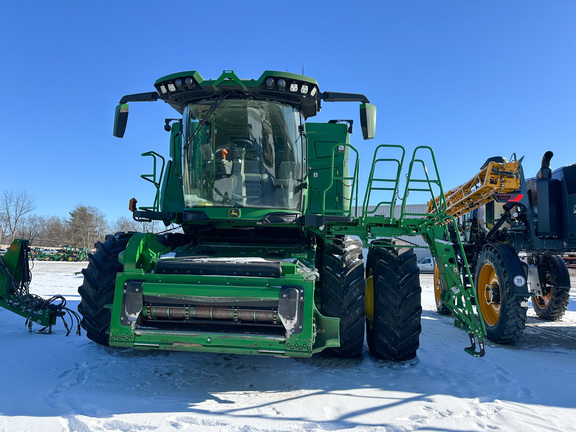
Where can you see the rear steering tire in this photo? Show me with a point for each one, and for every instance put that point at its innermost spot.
(393, 323)
(556, 289)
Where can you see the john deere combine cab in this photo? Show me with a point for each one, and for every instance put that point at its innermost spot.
(269, 260)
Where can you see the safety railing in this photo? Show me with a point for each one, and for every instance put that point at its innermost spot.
(349, 183)
(155, 178)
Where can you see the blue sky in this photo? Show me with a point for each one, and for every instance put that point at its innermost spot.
(471, 79)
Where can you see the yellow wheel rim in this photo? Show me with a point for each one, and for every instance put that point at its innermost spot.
(370, 296)
(542, 301)
(437, 285)
(489, 294)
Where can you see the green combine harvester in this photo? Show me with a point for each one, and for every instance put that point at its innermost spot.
(270, 259)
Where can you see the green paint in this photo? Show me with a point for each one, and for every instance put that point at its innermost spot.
(13, 268)
(248, 180)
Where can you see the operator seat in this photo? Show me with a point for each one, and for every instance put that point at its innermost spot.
(250, 177)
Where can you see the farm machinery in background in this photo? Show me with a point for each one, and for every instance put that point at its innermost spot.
(67, 253)
(514, 232)
(269, 260)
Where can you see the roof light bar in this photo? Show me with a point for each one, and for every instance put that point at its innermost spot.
(182, 88)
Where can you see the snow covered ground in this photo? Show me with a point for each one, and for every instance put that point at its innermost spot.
(57, 383)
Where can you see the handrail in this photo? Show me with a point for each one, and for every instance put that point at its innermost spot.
(353, 185)
(440, 206)
(152, 179)
(386, 180)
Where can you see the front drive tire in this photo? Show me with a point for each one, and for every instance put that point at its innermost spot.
(342, 293)
(502, 311)
(97, 290)
(393, 329)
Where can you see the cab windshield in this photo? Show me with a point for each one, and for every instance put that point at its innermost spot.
(242, 153)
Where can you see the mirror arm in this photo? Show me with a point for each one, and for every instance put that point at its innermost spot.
(140, 97)
(344, 97)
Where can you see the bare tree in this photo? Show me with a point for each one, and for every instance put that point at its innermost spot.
(87, 224)
(124, 224)
(14, 206)
(32, 227)
(152, 226)
(55, 232)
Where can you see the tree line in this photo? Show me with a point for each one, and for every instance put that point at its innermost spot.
(85, 225)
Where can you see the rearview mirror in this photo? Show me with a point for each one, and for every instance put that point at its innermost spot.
(120, 120)
(368, 120)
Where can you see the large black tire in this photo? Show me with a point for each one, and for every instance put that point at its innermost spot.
(556, 289)
(342, 293)
(393, 331)
(503, 313)
(97, 290)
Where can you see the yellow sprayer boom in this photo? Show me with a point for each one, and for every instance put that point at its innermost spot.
(494, 177)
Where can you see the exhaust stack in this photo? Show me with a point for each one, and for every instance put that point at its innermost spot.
(545, 171)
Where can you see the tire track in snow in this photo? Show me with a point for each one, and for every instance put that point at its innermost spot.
(90, 424)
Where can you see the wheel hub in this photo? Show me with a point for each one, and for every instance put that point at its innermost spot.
(492, 294)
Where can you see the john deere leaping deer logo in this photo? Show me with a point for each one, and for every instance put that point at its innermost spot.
(234, 213)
